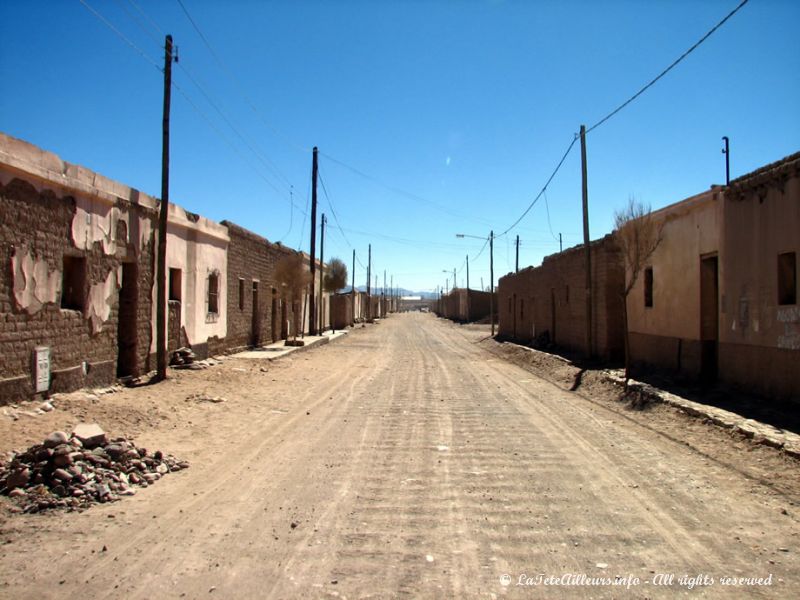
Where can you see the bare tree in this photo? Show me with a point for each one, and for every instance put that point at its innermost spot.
(336, 277)
(638, 235)
(292, 278)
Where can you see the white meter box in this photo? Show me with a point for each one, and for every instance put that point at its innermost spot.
(41, 368)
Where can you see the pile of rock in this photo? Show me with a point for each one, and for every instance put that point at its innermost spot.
(75, 471)
(182, 357)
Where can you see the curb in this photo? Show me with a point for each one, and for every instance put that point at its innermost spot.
(759, 433)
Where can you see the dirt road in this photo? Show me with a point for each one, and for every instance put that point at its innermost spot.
(406, 461)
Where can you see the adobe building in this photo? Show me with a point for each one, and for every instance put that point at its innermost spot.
(719, 297)
(197, 295)
(548, 303)
(664, 306)
(759, 326)
(466, 306)
(76, 290)
(258, 313)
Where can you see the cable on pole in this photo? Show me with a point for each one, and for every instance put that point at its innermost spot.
(669, 68)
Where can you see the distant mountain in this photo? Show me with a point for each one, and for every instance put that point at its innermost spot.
(401, 291)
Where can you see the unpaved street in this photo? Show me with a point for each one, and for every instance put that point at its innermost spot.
(405, 460)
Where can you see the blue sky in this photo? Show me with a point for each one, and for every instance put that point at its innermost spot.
(464, 107)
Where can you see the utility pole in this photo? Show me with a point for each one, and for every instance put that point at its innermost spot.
(727, 153)
(161, 267)
(455, 283)
(491, 277)
(383, 295)
(369, 274)
(353, 278)
(468, 313)
(517, 264)
(560, 245)
(321, 308)
(587, 248)
(391, 290)
(312, 313)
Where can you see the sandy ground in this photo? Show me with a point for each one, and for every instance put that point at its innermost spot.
(409, 459)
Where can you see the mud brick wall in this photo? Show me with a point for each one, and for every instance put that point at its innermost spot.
(341, 310)
(550, 298)
(251, 257)
(38, 224)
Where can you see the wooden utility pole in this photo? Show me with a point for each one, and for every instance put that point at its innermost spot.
(586, 245)
(312, 265)
(369, 274)
(353, 278)
(161, 266)
(320, 306)
(491, 277)
(468, 313)
(560, 245)
(517, 263)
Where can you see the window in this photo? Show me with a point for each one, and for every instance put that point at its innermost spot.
(213, 293)
(241, 294)
(73, 283)
(648, 287)
(175, 284)
(787, 278)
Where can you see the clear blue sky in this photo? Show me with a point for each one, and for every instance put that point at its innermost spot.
(468, 106)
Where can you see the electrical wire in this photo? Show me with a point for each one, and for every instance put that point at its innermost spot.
(669, 68)
(547, 207)
(401, 192)
(266, 162)
(238, 83)
(121, 35)
(547, 183)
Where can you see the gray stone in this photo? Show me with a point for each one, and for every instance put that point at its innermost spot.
(91, 435)
(56, 439)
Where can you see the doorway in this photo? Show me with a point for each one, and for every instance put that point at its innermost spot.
(126, 325)
(709, 317)
(274, 316)
(255, 335)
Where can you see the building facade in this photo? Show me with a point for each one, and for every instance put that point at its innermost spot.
(547, 304)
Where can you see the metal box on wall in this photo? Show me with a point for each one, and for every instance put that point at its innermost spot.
(41, 369)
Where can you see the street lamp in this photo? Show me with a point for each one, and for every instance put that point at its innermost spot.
(491, 269)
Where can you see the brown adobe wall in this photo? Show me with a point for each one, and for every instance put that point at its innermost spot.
(550, 298)
(251, 257)
(36, 227)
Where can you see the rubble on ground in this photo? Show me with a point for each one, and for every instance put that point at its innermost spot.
(185, 358)
(76, 470)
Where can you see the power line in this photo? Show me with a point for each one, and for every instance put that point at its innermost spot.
(153, 24)
(183, 93)
(669, 68)
(121, 35)
(266, 162)
(539, 195)
(238, 83)
(330, 205)
(402, 192)
(549, 226)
